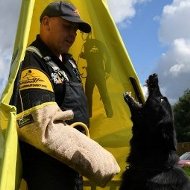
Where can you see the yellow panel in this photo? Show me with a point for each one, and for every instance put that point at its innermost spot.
(106, 71)
(10, 162)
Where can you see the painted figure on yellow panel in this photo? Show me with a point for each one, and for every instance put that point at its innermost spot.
(98, 70)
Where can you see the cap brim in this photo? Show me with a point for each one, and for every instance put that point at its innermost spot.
(82, 26)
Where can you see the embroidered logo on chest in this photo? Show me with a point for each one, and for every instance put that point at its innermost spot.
(57, 79)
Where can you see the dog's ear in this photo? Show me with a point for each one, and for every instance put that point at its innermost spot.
(152, 80)
(153, 86)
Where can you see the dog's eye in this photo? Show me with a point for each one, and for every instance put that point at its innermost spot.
(163, 99)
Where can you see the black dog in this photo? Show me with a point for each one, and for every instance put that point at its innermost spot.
(152, 162)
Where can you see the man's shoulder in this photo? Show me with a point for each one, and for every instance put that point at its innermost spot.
(31, 59)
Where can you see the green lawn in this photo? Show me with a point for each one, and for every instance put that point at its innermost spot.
(187, 170)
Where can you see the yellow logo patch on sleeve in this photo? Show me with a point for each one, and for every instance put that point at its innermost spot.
(34, 78)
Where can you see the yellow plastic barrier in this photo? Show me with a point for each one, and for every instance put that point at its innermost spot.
(110, 124)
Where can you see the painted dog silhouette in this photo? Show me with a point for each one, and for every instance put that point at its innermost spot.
(152, 161)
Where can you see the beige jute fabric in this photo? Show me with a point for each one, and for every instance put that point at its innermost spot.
(51, 134)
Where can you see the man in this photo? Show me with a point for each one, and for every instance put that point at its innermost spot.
(49, 74)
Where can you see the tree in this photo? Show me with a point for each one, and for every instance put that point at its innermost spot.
(182, 117)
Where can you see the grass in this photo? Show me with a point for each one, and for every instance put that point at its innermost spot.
(187, 170)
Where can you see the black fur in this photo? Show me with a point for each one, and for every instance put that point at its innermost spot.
(152, 161)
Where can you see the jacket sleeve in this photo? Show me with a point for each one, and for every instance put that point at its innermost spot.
(35, 86)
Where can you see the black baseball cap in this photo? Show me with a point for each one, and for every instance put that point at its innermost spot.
(68, 12)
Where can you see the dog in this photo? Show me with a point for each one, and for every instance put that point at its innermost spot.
(152, 161)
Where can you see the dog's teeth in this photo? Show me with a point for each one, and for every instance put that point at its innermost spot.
(127, 94)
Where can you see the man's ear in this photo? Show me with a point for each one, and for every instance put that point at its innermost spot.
(46, 22)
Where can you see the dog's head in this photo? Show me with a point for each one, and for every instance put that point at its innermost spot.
(154, 117)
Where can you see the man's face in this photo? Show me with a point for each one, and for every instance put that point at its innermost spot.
(62, 34)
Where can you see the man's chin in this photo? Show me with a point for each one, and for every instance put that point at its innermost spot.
(65, 49)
